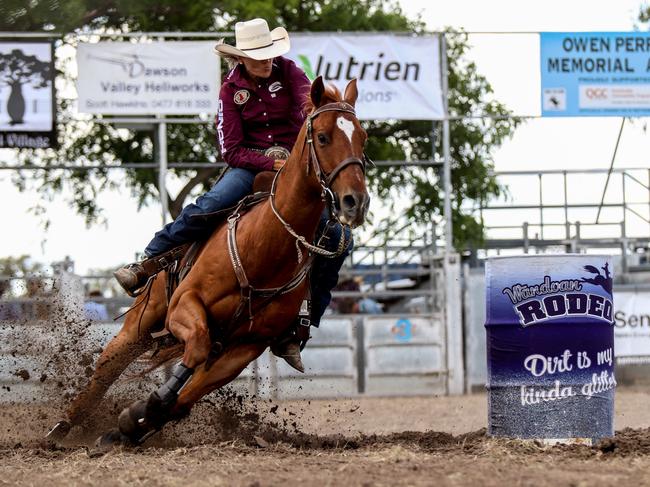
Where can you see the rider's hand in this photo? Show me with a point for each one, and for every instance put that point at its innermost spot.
(277, 165)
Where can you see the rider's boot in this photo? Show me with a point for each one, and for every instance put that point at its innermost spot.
(133, 277)
(290, 346)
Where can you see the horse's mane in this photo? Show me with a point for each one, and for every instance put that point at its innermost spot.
(331, 95)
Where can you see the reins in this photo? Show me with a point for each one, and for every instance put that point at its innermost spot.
(325, 181)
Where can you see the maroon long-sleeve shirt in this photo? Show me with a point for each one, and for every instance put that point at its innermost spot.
(260, 115)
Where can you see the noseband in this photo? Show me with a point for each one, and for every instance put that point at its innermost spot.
(325, 180)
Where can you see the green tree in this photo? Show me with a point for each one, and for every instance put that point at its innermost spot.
(127, 15)
(91, 144)
(644, 13)
(472, 140)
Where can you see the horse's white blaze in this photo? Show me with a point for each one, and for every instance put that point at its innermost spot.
(347, 127)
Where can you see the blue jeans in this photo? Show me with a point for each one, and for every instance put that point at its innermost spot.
(325, 272)
(232, 187)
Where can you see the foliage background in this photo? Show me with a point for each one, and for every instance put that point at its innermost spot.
(473, 140)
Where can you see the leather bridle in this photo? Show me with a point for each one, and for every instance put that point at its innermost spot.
(325, 180)
(246, 289)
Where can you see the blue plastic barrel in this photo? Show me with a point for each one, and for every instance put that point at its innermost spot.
(550, 346)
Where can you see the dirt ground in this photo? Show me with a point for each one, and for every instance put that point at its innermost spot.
(365, 442)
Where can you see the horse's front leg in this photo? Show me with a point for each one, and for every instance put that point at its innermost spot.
(188, 323)
(225, 369)
(132, 340)
(143, 418)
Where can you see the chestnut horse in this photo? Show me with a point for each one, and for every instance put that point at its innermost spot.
(273, 244)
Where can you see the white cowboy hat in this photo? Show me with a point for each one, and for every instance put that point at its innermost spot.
(253, 40)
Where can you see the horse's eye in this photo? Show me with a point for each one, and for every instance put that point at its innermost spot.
(322, 139)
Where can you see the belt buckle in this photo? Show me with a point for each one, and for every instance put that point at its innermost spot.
(304, 322)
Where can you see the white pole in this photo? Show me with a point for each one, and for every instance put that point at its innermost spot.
(446, 168)
(162, 169)
(452, 284)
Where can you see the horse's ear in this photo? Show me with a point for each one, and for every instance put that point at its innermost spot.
(317, 90)
(351, 92)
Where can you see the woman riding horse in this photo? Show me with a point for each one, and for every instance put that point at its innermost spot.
(225, 319)
(259, 117)
(248, 281)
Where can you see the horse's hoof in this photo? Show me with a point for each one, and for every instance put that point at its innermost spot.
(133, 423)
(132, 419)
(58, 432)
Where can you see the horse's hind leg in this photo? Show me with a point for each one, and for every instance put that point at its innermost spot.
(132, 340)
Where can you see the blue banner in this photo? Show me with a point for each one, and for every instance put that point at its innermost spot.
(550, 346)
(595, 74)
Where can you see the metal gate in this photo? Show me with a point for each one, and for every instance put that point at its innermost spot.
(414, 352)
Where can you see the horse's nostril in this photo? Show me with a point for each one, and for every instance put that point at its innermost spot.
(349, 202)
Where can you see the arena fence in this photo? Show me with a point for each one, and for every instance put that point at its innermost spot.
(416, 349)
(347, 356)
(610, 211)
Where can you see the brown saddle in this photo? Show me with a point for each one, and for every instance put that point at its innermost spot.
(181, 265)
(263, 182)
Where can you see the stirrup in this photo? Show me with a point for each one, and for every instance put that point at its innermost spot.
(153, 265)
(289, 346)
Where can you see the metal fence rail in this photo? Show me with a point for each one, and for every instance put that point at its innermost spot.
(553, 216)
(348, 356)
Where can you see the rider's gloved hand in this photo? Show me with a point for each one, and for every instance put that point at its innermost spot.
(277, 165)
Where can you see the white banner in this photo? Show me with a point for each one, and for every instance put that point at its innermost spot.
(123, 78)
(398, 76)
(632, 324)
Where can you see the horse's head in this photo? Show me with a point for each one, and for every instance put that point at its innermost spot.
(336, 141)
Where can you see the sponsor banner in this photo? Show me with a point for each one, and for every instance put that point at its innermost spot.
(550, 346)
(27, 96)
(632, 324)
(398, 76)
(124, 78)
(595, 74)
